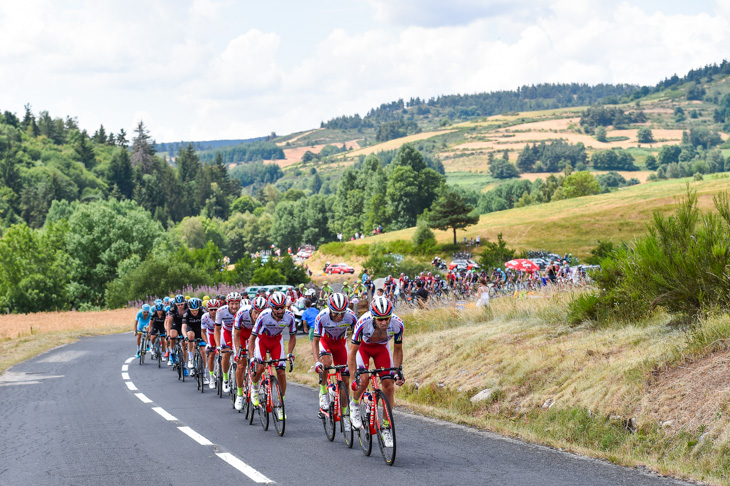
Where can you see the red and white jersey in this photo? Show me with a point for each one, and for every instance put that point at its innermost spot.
(225, 318)
(208, 323)
(365, 328)
(243, 318)
(266, 325)
(324, 325)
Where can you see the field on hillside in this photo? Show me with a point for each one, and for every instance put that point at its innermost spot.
(25, 335)
(574, 225)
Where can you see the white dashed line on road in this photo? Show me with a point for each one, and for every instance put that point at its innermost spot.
(164, 414)
(130, 385)
(252, 473)
(125, 367)
(195, 436)
(125, 376)
(143, 397)
(129, 360)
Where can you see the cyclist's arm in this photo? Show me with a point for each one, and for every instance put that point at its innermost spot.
(236, 340)
(217, 334)
(397, 354)
(251, 345)
(352, 357)
(315, 348)
(135, 326)
(292, 341)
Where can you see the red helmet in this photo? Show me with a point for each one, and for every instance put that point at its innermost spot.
(277, 300)
(214, 304)
(338, 302)
(234, 297)
(259, 304)
(381, 307)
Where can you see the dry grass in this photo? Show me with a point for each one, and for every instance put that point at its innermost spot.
(396, 143)
(642, 175)
(23, 336)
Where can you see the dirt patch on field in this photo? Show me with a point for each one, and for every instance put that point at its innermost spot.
(690, 395)
(290, 141)
(557, 124)
(17, 325)
(642, 175)
(294, 155)
(396, 143)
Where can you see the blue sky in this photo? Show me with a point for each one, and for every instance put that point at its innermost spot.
(206, 69)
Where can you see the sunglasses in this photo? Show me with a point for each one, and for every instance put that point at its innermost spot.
(338, 313)
(382, 319)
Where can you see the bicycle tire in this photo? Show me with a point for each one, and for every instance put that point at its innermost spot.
(383, 412)
(277, 405)
(183, 364)
(219, 377)
(246, 395)
(328, 420)
(262, 408)
(158, 352)
(142, 345)
(249, 394)
(199, 370)
(345, 417)
(232, 380)
(177, 364)
(364, 437)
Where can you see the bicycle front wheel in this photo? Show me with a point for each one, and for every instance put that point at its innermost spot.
(366, 440)
(247, 405)
(328, 419)
(177, 364)
(277, 407)
(233, 384)
(262, 408)
(385, 427)
(199, 370)
(345, 424)
(142, 349)
(158, 352)
(219, 376)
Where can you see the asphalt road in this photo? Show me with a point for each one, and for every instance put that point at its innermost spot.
(71, 417)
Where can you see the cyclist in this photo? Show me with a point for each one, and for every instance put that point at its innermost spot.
(242, 326)
(330, 338)
(173, 322)
(325, 291)
(208, 323)
(266, 336)
(157, 325)
(142, 322)
(224, 318)
(192, 329)
(346, 290)
(371, 339)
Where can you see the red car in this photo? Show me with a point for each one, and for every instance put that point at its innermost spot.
(340, 268)
(463, 265)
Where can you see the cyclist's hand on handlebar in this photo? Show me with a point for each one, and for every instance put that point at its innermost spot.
(318, 367)
(355, 383)
(290, 357)
(399, 378)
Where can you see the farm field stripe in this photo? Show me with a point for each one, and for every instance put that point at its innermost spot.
(143, 397)
(164, 414)
(252, 473)
(130, 385)
(195, 436)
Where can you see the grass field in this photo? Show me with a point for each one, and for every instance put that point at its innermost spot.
(575, 225)
(23, 336)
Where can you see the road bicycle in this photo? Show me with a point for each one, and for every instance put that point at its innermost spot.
(232, 385)
(176, 355)
(270, 397)
(142, 347)
(334, 416)
(157, 349)
(248, 407)
(198, 367)
(217, 371)
(377, 416)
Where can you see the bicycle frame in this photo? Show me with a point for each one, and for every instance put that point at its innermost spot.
(338, 378)
(370, 395)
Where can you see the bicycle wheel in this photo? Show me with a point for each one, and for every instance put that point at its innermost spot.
(177, 363)
(263, 412)
(249, 396)
(142, 348)
(182, 363)
(233, 384)
(158, 352)
(247, 408)
(199, 370)
(328, 419)
(277, 407)
(366, 440)
(219, 376)
(385, 426)
(345, 424)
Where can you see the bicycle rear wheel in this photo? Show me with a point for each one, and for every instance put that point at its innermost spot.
(345, 424)
(177, 364)
(247, 405)
(385, 426)
(328, 419)
(219, 376)
(277, 407)
(142, 349)
(366, 440)
(262, 408)
(233, 384)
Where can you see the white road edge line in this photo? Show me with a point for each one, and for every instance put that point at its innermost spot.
(125, 367)
(143, 397)
(252, 473)
(125, 376)
(129, 360)
(131, 386)
(164, 414)
(195, 436)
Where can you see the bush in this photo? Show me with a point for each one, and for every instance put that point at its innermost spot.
(422, 234)
(268, 276)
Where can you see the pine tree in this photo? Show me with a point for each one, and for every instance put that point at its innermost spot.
(451, 211)
(143, 149)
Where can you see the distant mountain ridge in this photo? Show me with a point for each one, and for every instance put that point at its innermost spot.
(174, 147)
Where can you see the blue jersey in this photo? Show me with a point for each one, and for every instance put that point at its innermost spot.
(141, 321)
(309, 316)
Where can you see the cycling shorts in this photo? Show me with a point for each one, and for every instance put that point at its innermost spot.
(273, 345)
(211, 339)
(140, 326)
(177, 326)
(337, 348)
(196, 330)
(380, 354)
(158, 328)
(227, 338)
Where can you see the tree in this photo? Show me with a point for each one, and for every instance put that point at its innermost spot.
(143, 150)
(651, 162)
(120, 173)
(286, 231)
(245, 204)
(188, 164)
(85, 151)
(495, 254)
(451, 211)
(502, 169)
(580, 184)
(601, 134)
(644, 135)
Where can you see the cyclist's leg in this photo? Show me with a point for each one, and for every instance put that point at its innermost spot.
(211, 357)
(242, 362)
(227, 338)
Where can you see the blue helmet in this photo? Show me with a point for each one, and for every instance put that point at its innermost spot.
(179, 299)
(146, 308)
(194, 303)
(158, 301)
(159, 306)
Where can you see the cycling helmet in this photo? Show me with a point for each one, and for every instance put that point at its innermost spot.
(214, 304)
(381, 307)
(159, 307)
(158, 301)
(259, 303)
(233, 297)
(146, 308)
(310, 293)
(166, 300)
(194, 303)
(338, 302)
(206, 297)
(179, 299)
(245, 301)
(301, 285)
(277, 300)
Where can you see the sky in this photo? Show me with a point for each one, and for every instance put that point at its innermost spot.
(228, 69)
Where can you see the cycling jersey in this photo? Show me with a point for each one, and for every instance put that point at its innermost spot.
(266, 325)
(365, 328)
(177, 318)
(143, 322)
(244, 323)
(208, 323)
(324, 325)
(193, 322)
(225, 318)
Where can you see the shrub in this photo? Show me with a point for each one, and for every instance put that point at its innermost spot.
(422, 234)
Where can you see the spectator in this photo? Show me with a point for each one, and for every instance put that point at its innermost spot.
(478, 240)
(421, 293)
